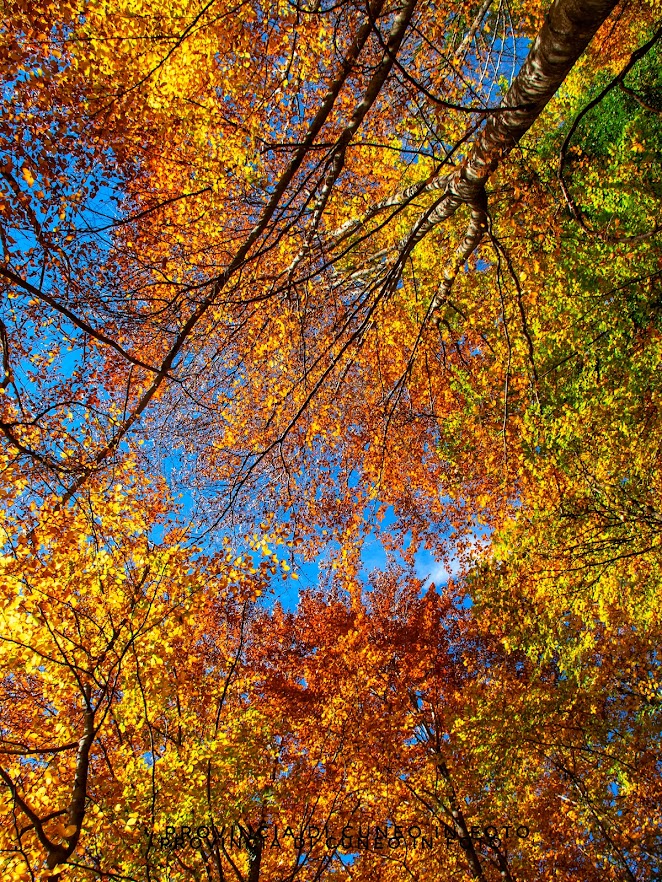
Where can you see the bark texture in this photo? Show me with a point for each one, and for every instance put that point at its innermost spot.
(569, 27)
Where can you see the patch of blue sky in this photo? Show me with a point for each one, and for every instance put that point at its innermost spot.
(506, 56)
(376, 558)
(33, 761)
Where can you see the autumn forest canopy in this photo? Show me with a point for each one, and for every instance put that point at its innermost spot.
(283, 283)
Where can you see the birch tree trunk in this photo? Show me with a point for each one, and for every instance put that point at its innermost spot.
(569, 27)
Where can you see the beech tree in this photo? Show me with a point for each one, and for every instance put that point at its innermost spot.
(332, 270)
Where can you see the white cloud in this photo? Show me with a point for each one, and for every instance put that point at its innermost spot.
(433, 570)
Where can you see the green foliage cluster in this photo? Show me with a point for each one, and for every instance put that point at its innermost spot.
(607, 130)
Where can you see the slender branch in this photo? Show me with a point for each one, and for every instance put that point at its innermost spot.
(636, 56)
(79, 322)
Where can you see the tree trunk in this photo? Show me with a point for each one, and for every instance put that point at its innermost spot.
(569, 27)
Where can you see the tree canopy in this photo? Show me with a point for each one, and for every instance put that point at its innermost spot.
(282, 280)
